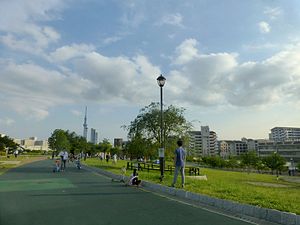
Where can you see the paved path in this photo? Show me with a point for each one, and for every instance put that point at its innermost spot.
(33, 195)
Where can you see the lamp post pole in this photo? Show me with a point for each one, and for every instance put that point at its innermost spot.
(161, 82)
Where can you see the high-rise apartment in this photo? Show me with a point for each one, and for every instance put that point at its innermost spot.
(203, 143)
(284, 134)
(94, 136)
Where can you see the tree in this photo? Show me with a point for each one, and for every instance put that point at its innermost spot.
(146, 125)
(249, 159)
(7, 142)
(59, 140)
(275, 162)
(105, 146)
(139, 147)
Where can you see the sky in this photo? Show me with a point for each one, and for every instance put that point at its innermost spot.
(233, 65)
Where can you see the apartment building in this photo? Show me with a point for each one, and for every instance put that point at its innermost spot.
(285, 134)
(203, 143)
(287, 149)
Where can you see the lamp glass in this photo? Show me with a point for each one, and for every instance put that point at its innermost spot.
(161, 81)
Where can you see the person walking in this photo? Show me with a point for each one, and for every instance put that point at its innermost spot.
(65, 158)
(179, 161)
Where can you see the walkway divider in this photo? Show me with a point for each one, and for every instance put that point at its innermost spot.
(231, 207)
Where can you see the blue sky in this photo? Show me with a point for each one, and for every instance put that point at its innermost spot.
(234, 65)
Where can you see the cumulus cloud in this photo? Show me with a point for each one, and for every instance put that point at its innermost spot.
(186, 51)
(264, 27)
(218, 79)
(20, 24)
(30, 89)
(67, 52)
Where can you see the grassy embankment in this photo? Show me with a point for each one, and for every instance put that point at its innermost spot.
(255, 189)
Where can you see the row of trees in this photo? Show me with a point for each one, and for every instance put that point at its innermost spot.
(61, 139)
(249, 161)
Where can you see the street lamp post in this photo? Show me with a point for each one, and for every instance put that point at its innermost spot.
(161, 82)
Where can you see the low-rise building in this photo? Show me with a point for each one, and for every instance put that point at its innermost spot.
(33, 143)
(290, 150)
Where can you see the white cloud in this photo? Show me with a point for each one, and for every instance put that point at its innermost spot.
(186, 51)
(264, 46)
(218, 79)
(273, 13)
(111, 40)
(20, 24)
(70, 51)
(6, 121)
(31, 89)
(118, 78)
(171, 19)
(264, 27)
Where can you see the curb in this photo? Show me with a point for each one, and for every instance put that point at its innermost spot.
(269, 215)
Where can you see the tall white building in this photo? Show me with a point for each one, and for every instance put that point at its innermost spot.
(94, 136)
(285, 134)
(203, 143)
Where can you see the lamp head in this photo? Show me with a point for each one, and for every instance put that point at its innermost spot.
(161, 80)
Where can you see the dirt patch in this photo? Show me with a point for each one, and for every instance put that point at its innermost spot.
(263, 184)
(204, 177)
(9, 162)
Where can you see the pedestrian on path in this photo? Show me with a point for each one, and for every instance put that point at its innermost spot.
(179, 161)
(65, 158)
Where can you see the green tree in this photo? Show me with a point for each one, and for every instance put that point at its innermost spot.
(249, 160)
(7, 142)
(146, 125)
(105, 146)
(139, 147)
(232, 162)
(275, 162)
(59, 140)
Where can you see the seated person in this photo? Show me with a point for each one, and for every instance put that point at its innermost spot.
(134, 179)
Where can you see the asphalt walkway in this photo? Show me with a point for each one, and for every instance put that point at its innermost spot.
(33, 195)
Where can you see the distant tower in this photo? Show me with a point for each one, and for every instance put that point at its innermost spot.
(85, 127)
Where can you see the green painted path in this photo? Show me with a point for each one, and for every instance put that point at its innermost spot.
(33, 195)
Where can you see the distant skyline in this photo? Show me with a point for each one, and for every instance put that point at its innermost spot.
(233, 65)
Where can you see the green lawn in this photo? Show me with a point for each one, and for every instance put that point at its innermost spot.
(255, 189)
(11, 162)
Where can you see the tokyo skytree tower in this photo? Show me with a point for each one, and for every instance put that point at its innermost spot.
(85, 127)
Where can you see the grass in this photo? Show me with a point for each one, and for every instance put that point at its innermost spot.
(11, 162)
(250, 188)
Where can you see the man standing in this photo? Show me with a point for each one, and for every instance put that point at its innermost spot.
(179, 161)
(65, 158)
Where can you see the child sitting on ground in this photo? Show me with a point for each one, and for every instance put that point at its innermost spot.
(134, 179)
(57, 166)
